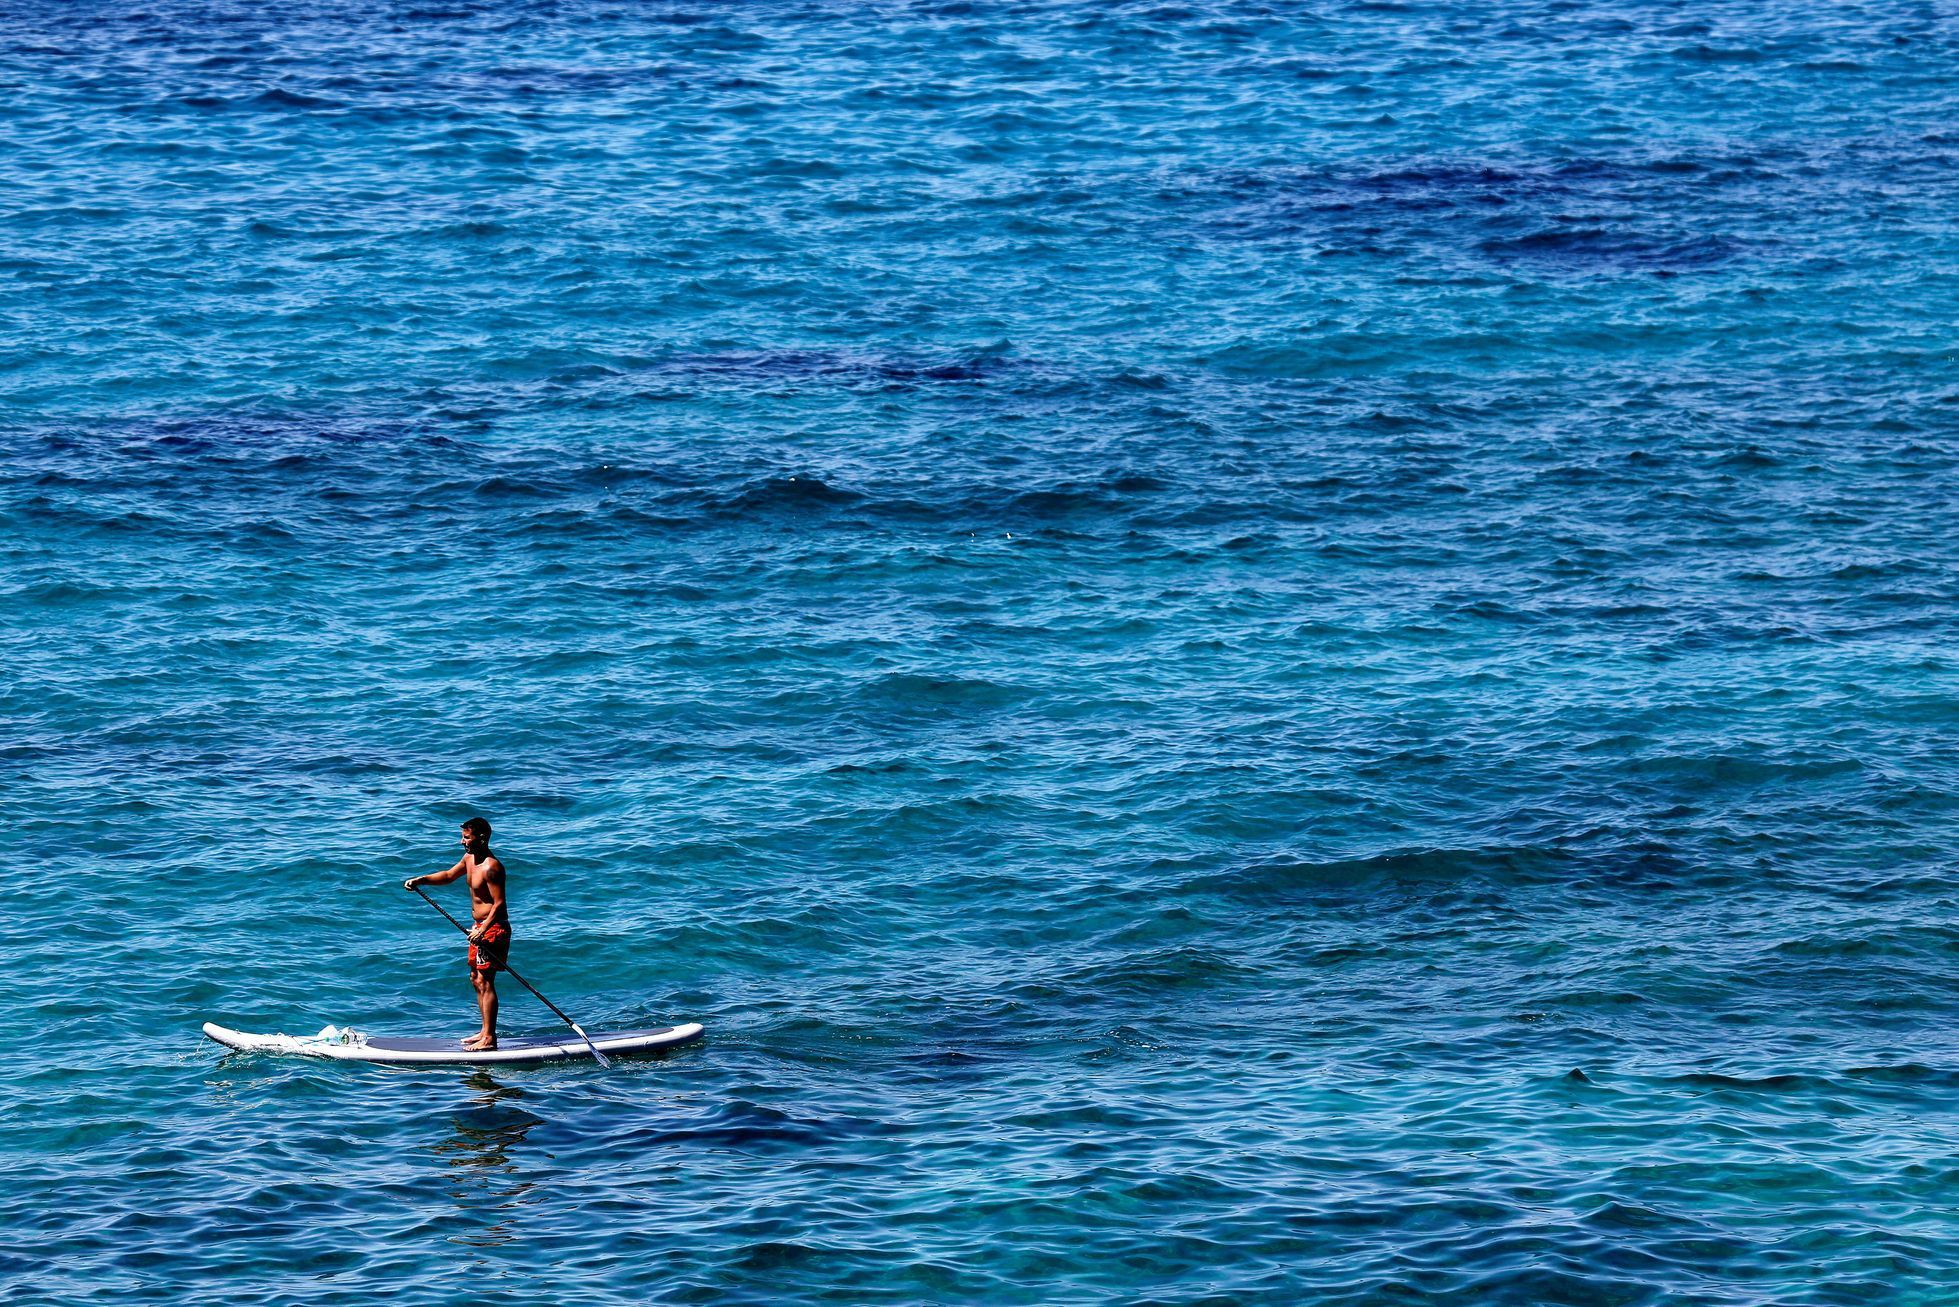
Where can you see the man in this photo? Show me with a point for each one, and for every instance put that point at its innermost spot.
(489, 941)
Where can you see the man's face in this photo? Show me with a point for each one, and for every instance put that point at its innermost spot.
(471, 843)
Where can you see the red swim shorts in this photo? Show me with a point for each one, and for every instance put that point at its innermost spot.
(488, 951)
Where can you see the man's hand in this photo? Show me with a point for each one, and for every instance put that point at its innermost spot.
(411, 882)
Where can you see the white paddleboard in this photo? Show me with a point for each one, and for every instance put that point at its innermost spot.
(353, 1046)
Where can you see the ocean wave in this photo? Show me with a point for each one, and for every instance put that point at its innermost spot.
(1279, 881)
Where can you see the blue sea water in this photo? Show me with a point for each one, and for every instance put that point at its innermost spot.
(1238, 652)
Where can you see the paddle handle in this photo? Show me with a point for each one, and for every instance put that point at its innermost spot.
(602, 1059)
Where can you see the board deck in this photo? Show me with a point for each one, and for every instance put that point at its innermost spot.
(353, 1046)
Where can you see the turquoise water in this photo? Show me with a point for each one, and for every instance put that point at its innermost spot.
(1238, 654)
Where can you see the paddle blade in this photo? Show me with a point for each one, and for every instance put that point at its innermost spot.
(603, 1060)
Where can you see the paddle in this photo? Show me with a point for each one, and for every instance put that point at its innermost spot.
(520, 980)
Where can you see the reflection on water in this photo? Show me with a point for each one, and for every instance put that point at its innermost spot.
(489, 1186)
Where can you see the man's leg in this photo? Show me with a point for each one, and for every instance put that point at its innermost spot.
(486, 1002)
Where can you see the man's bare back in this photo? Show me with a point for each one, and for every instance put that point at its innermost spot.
(489, 938)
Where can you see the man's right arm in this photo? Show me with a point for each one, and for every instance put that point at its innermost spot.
(434, 877)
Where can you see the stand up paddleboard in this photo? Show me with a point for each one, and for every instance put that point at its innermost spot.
(353, 1046)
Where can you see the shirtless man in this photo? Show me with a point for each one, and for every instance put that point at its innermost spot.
(489, 940)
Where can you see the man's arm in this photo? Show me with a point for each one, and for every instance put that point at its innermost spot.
(439, 878)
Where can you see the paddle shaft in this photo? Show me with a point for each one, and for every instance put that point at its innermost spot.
(603, 1061)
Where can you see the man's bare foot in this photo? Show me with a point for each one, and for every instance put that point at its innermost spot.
(479, 1043)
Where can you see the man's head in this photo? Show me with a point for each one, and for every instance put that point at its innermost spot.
(476, 834)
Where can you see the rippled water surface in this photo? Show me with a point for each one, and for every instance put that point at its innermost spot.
(1236, 652)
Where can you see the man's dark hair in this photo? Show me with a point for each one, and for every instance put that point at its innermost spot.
(478, 828)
